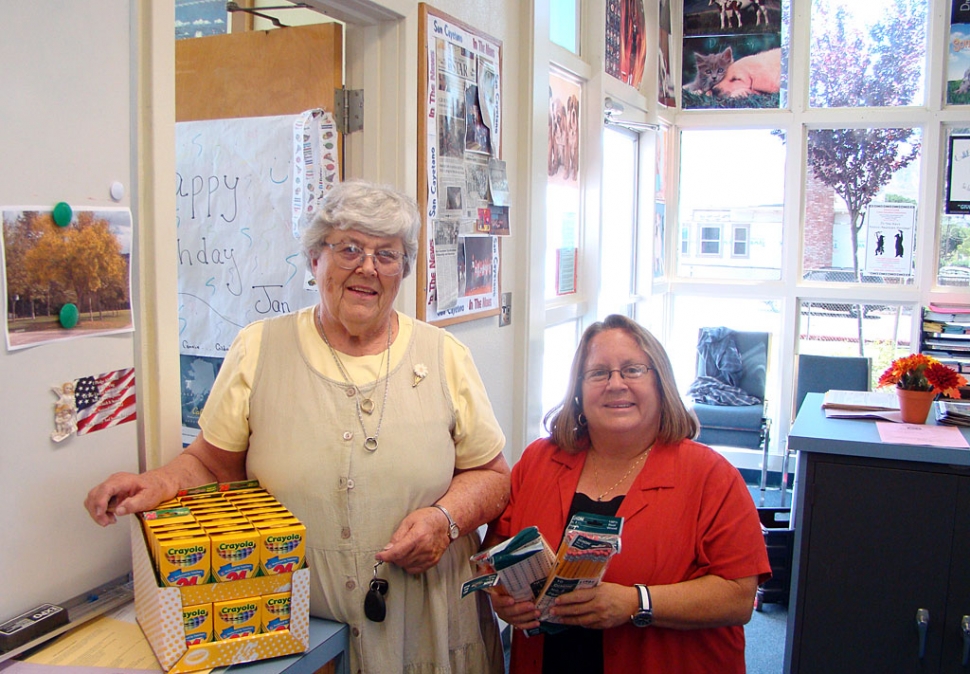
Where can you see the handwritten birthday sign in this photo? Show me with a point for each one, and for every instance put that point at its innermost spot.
(239, 258)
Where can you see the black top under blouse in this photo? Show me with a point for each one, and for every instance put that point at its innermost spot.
(577, 649)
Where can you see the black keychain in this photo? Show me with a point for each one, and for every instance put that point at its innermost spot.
(374, 606)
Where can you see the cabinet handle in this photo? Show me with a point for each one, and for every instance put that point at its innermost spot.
(922, 624)
(965, 628)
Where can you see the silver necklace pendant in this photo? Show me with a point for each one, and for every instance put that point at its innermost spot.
(370, 444)
(367, 406)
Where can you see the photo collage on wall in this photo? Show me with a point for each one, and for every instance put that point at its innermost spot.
(732, 54)
(468, 207)
(958, 59)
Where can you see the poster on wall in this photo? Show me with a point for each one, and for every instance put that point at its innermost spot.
(67, 272)
(889, 238)
(665, 79)
(732, 54)
(958, 176)
(246, 189)
(626, 43)
(958, 57)
(463, 188)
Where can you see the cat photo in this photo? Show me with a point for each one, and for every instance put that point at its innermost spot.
(732, 72)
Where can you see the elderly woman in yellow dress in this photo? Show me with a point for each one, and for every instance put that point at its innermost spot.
(371, 427)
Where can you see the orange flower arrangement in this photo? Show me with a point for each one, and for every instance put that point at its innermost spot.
(918, 372)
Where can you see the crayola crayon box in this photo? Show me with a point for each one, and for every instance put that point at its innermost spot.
(197, 622)
(171, 617)
(275, 611)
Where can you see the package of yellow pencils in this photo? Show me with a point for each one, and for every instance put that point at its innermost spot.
(590, 541)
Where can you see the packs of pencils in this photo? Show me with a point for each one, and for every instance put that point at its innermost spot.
(518, 566)
(588, 544)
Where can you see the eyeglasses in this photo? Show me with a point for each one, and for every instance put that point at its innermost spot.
(351, 256)
(601, 376)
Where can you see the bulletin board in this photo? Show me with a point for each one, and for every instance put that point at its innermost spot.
(462, 184)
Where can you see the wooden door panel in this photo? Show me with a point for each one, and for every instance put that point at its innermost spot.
(258, 73)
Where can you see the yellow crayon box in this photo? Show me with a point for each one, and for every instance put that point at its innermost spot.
(234, 553)
(183, 559)
(197, 621)
(236, 618)
(275, 611)
(283, 546)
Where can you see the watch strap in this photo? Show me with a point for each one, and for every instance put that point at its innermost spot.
(453, 530)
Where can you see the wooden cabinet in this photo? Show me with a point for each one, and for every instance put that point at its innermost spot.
(877, 538)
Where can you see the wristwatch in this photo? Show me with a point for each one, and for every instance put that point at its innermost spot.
(644, 615)
(453, 531)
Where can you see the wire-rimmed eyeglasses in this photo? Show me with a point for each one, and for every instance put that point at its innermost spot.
(349, 255)
(602, 375)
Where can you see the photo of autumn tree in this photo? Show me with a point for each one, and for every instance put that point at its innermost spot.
(86, 264)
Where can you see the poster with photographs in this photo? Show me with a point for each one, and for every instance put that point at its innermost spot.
(563, 153)
(958, 58)
(732, 54)
(665, 79)
(463, 188)
(626, 41)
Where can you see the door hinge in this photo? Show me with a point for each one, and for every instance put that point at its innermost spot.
(349, 109)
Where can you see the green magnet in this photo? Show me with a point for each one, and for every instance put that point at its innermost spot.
(68, 315)
(62, 214)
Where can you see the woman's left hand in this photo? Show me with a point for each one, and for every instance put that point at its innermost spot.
(606, 605)
(419, 542)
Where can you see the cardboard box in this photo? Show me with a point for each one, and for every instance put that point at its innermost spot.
(159, 613)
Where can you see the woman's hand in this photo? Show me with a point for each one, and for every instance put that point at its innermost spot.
(521, 615)
(124, 493)
(606, 605)
(420, 540)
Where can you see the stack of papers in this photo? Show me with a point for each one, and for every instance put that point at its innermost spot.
(861, 405)
(952, 413)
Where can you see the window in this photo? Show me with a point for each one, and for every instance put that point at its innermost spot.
(860, 217)
(710, 240)
(867, 53)
(564, 24)
(684, 240)
(740, 244)
(729, 179)
(953, 268)
(618, 238)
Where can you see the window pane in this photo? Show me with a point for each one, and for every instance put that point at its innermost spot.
(559, 345)
(564, 24)
(860, 214)
(867, 53)
(833, 329)
(618, 239)
(954, 253)
(730, 179)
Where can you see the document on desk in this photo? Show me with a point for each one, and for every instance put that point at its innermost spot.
(921, 434)
(112, 640)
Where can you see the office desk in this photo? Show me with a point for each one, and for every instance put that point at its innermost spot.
(881, 532)
(328, 641)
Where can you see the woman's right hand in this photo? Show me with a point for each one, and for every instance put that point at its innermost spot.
(122, 494)
(521, 615)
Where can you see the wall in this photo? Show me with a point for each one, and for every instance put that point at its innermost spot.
(67, 112)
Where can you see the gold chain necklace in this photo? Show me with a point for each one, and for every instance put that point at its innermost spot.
(625, 475)
(370, 441)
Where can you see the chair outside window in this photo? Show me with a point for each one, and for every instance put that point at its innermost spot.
(729, 392)
(818, 374)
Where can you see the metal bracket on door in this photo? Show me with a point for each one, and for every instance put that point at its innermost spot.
(348, 109)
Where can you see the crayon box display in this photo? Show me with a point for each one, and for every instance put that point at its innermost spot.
(163, 610)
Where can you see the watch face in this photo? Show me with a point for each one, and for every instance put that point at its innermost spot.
(453, 531)
(642, 618)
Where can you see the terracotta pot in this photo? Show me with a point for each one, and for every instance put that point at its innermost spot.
(914, 406)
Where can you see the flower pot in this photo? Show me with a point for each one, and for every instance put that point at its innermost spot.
(914, 406)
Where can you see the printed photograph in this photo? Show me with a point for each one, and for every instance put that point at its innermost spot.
(66, 282)
(731, 17)
(732, 72)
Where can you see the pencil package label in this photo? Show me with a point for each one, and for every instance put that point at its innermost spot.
(236, 618)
